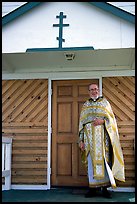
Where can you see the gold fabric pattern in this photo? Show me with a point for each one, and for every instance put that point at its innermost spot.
(93, 143)
(94, 136)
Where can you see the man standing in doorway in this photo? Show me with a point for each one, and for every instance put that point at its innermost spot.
(99, 144)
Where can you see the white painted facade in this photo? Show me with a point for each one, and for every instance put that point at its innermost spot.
(88, 26)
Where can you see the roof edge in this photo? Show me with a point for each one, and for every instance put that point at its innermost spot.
(115, 10)
(102, 5)
(59, 49)
(18, 12)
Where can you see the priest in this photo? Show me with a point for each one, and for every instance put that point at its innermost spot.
(99, 144)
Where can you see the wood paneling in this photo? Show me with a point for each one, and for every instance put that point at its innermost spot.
(68, 97)
(25, 119)
(64, 152)
(120, 91)
(64, 111)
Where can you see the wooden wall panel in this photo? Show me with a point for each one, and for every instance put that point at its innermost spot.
(64, 111)
(25, 119)
(64, 152)
(120, 91)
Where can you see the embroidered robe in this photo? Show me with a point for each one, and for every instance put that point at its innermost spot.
(97, 140)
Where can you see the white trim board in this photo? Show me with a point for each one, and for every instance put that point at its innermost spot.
(122, 189)
(68, 75)
(29, 187)
(49, 133)
(45, 187)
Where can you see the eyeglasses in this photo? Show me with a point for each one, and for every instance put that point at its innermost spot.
(93, 89)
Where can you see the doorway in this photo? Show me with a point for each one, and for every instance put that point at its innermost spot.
(67, 100)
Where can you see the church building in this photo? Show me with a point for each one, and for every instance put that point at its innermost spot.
(51, 51)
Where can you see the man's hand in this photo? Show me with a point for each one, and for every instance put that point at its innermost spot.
(82, 146)
(98, 122)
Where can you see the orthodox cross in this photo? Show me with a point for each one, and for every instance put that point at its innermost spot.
(60, 25)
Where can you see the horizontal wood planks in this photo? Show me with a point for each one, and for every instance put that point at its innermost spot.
(25, 116)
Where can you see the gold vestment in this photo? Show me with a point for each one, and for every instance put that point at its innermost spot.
(97, 138)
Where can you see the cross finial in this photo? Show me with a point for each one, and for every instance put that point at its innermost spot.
(60, 25)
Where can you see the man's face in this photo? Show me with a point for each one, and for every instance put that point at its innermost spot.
(93, 91)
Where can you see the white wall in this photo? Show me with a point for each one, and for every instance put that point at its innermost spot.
(88, 26)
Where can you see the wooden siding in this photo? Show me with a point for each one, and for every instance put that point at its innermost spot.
(120, 91)
(25, 119)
